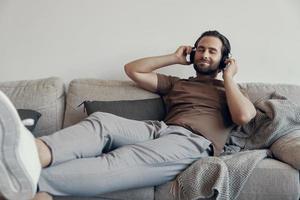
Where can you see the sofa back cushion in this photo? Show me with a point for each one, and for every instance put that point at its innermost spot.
(45, 96)
(81, 90)
(256, 91)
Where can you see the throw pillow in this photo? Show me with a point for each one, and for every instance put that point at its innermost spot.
(145, 109)
(287, 149)
(29, 114)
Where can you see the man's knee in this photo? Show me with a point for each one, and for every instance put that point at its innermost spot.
(102, 120)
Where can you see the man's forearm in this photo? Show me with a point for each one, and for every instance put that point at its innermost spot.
(149, 64)
(241, 108)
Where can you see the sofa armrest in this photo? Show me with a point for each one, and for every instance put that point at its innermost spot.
(287, 149)
(47, 96)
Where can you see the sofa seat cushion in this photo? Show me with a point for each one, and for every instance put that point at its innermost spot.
(45, 96)
(270, 180)
(134, 194)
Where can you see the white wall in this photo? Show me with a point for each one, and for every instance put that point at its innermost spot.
(95, 38)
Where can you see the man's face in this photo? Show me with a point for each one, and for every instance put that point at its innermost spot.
(208, 55)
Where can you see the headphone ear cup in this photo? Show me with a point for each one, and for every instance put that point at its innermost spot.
(222, 63)
(192, 55)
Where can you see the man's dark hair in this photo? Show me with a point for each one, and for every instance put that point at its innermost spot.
(226, 45)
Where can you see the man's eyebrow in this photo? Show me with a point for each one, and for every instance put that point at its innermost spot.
(210, 48)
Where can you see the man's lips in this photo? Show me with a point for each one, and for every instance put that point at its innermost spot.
(204, 62)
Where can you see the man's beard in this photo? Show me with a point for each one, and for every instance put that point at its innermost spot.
(209, 71)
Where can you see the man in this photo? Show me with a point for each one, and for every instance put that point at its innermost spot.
(105, 153)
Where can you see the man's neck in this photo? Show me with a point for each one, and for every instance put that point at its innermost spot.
(202, 76)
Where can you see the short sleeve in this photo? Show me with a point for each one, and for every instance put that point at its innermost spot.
(165, 83)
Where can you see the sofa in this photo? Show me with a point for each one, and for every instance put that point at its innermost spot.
(58, 104)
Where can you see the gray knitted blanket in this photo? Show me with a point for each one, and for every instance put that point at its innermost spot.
(223, 177)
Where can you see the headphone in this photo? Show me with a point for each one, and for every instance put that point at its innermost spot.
(225, 56)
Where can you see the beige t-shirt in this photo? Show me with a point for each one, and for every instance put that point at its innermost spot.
(199, 105)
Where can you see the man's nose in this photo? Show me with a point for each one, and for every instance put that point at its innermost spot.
(205, 54)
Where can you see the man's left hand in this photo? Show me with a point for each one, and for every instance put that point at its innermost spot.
(231, 68)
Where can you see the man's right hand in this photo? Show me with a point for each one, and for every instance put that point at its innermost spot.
(181, 54)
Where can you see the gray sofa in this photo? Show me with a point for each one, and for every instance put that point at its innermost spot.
(271, 179)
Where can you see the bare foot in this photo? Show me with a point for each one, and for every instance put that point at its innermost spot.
(42, 196)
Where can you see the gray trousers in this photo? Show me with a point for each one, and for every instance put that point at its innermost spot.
(105, 153)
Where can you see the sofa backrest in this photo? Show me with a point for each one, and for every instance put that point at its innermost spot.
(111, 90)
(46, 96)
